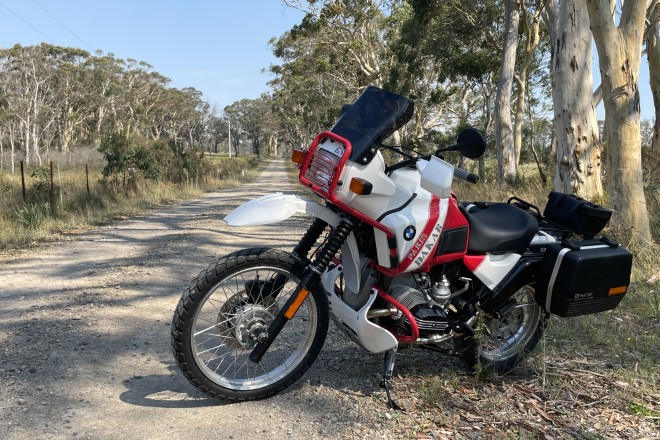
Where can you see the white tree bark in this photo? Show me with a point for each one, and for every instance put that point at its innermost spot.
(653, 54)
(620, 53)
(531, 44)
(579, 147)
(506, 163)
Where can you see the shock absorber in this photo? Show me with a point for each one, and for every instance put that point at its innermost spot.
(311, 277)
(333, 244)
(301, 250)
(311, 235)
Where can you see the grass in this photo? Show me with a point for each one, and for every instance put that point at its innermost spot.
(46, 215)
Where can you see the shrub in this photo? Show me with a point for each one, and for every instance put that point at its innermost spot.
(126, 161)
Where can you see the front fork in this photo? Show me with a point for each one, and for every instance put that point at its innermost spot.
(310, 279)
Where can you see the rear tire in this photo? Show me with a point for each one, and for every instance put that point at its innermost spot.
(498, 345)
(225, 308)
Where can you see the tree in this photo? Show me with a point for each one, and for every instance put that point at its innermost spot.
(653, 55)
(619, 52)
(445, 60)
(579, 148)
(531, 43)
(506, 162)
(253, 117)
(338, 48)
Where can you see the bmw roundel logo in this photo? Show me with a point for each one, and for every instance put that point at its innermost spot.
(409, 233)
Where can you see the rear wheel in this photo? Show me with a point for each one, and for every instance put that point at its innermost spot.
(498, 345)
(224, 311)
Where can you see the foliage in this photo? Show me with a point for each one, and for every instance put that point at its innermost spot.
(54, 98)
(129, 160)
(126, 161)
(32, 215)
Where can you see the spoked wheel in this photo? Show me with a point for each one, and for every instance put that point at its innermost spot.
(500, 344)
(228, 308)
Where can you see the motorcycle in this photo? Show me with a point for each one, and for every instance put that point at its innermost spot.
(396, 261)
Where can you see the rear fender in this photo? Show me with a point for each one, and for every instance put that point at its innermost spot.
(525, 272)
(276, 207)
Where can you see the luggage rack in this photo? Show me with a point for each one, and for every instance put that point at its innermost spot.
(585, 219)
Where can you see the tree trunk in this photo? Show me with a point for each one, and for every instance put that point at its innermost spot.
(579, 147)
(531, 44)
(620, 52)
(506, 163)
(653, 54)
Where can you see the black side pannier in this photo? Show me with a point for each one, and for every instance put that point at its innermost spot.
(584, 277)
(578, 215)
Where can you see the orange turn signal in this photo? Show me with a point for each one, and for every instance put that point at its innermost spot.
(360, 187)
(297, 156)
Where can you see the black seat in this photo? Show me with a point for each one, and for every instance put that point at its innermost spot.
(499, 227)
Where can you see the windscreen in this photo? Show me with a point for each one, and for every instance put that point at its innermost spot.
(368, 121)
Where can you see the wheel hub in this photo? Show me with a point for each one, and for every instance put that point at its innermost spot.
(241, 323)
(251, 322)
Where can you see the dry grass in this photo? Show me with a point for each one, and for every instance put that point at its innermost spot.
(46, 215)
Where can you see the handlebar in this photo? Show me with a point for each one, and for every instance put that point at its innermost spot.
(458, 172)
(465, 175)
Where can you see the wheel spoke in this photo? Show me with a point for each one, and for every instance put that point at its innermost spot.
(237, 307)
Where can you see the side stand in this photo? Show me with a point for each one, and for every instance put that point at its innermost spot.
(388, 369)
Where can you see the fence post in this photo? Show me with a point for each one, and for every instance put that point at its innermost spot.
(53, 204)
(87, 180)
(23, 181)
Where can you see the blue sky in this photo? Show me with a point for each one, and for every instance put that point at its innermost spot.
(219, 47)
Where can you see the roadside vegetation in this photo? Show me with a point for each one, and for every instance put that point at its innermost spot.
(120, 179)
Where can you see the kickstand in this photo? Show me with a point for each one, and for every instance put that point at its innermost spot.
(388, 368)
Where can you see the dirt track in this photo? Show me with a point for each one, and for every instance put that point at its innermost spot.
(85, 337)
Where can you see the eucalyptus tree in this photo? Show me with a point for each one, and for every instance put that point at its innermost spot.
(619, 53)
(141, 89)
(506, 155)
(338, 48)
(27, 76)
(254, 119)
(448, 58)
(531, 33)
(441, 58)
(72, 102)
(105, 78)
(653, 55)
(579, 148)
(217, 131)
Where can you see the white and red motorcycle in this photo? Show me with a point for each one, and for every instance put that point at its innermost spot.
(395, 260)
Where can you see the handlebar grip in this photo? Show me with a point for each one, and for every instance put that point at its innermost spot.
(465, 175)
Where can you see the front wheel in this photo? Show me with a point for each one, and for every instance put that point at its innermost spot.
(221, 315)
(498, 345)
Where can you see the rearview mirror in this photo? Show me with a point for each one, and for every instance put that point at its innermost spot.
(471, 143)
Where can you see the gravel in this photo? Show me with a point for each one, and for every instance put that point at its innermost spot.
(85, 343)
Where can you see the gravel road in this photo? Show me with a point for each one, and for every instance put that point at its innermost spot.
(85, 337)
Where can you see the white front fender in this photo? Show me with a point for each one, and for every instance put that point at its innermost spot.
(273, 208)
(264, 210)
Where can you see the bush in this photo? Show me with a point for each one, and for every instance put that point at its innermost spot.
(127, 162)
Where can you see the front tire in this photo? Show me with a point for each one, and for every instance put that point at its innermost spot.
(498, 345)
(220, 316)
